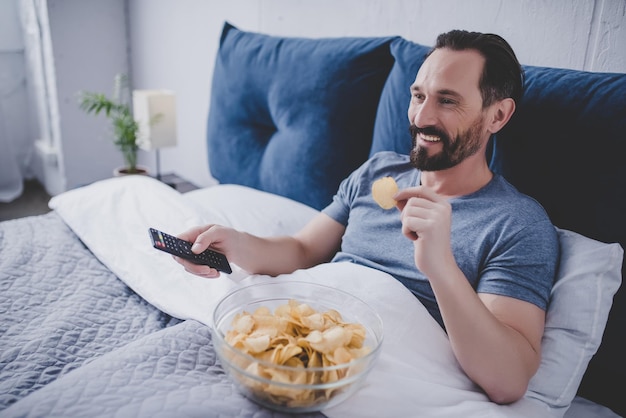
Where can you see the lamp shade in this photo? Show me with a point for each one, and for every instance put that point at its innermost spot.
(155, 112)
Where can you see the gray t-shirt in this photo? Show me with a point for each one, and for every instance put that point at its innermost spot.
(502, 240)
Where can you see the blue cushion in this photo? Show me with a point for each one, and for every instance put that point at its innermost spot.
(571, 125)
(391, 130)
(279, 103)
(565, 146)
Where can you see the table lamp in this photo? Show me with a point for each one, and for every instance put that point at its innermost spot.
(155, 112)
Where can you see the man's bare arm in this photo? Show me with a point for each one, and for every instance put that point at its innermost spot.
(496, 339)
(316, 243)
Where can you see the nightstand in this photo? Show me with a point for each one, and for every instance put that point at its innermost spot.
(178, 183)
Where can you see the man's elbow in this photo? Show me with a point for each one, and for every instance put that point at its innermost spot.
(509, 385)
(503, 395)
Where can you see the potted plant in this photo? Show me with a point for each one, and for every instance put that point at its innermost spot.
(125, 127)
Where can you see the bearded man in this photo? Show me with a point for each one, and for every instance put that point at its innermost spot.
(477, 253)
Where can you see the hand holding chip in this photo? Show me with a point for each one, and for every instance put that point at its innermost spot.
(426, 219)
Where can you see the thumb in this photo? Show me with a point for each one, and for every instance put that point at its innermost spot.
(400, 204)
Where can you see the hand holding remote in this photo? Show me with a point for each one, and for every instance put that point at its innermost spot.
(181, 248)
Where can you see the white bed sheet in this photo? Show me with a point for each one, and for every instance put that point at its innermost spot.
(416, 375)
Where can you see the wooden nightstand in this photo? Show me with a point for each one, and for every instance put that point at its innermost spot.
(178, 183)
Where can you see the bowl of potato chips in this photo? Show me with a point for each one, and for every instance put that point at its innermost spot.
(296, 346)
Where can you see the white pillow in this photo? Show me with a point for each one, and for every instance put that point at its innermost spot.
(250, 210)
(588, 277)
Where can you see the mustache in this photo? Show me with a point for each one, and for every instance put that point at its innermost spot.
(428, 130)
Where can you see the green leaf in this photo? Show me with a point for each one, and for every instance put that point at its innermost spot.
(125, 128)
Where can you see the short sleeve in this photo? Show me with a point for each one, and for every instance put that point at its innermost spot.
(524, 266)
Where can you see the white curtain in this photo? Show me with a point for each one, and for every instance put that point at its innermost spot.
(25, 111)
(16, 143)
(11, 176)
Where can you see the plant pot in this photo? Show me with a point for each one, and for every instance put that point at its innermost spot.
(125, 171)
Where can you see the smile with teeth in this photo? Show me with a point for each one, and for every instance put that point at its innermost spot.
(430, 138)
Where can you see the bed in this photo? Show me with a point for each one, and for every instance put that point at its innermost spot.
(94, 322)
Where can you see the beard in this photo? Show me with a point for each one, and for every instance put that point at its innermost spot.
(455, 151)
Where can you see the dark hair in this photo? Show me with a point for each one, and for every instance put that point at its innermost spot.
(502, 76)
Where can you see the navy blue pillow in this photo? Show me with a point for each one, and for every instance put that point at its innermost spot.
(391, 131)
(566, 146)
(293, 116)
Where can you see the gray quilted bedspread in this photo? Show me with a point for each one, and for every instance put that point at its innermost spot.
(75, 341)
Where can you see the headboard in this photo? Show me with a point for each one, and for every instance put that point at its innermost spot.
(294, 116)
(566, 147)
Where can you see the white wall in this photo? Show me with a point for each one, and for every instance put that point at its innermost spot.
(70, 46)
(89, 43)
(171, 44)
(174, 42)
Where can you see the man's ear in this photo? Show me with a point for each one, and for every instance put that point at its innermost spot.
(501, 114)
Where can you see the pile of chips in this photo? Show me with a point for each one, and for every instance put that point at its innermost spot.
(297, 336)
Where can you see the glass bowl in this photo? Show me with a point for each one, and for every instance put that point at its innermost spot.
(293, 388)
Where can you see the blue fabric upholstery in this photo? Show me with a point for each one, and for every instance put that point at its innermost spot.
(391, 130)
(565, 146)
(295, 115)
(571, 127)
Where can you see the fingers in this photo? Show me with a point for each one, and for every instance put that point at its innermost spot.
(400, 204)
(419, 191)
(421, 209)
(414, 218)
(191, 234)
(197, 269)
(403, 196)
(199, 236)
(408, 232)
(417, 197)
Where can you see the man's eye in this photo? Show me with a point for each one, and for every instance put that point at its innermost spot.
(447, 101)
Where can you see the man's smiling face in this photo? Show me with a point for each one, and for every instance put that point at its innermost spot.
(446, 113)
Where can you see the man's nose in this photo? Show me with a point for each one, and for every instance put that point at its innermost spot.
(423, 114)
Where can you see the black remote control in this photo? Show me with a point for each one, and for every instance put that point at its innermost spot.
(181, 248)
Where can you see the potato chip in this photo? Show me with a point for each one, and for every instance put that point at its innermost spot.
(329, 340)
(340, 355)
(243, 323)
(383, 191)
(256, 343)
(298, 336)
(283, 353)
(314, 321)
